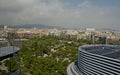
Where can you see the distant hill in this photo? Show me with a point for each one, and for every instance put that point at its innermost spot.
(27, 26)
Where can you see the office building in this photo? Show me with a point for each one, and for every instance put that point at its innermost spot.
(96, 60)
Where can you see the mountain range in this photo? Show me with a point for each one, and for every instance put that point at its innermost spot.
(27, 26)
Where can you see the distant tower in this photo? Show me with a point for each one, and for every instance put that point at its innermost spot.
(5, 27)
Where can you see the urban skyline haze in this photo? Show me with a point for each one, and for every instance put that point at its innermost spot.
(64, 13)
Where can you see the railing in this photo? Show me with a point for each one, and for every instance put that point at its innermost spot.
(17, 72)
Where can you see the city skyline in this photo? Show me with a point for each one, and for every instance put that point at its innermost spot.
(63, 13)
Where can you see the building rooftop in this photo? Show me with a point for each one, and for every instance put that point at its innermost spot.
(104, 50)
(4, 51)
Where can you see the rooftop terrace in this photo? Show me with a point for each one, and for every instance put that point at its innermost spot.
(104, 50)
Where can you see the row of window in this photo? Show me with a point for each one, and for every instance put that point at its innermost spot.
(90, 63)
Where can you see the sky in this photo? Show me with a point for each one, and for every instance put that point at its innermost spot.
(63, 13)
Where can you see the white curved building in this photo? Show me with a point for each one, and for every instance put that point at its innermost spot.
(96, 60)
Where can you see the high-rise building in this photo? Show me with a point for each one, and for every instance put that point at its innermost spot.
(96, 60)
(102, 39)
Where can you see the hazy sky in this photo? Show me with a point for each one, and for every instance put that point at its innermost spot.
(65, 13)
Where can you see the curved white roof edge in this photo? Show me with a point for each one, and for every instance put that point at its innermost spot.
(71, 70)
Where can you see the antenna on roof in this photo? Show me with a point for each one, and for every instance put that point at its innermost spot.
(11, 42)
